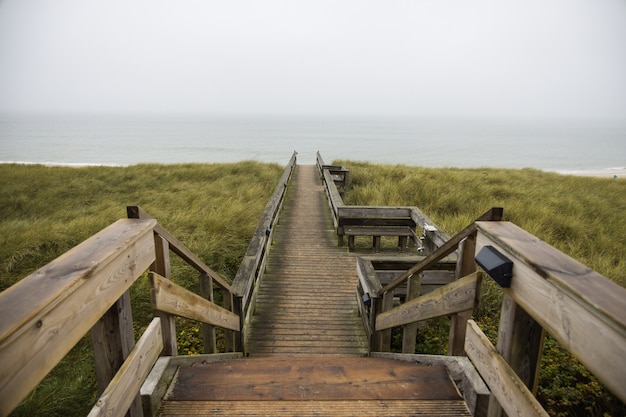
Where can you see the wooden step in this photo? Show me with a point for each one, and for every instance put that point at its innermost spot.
(314, 385)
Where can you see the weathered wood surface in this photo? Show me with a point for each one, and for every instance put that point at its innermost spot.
(361, 408)
(583, 310)
(515, 398)
(46, 314)
(174, 299)
(468, 381)
(455, 297)
(318, 385)
(124, 387)
(306, 301)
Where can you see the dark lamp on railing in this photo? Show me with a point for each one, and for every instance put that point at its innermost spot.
(367, 300)
(498, 266)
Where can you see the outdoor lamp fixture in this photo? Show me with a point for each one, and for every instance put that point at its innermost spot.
(498, 266)
(367, 300)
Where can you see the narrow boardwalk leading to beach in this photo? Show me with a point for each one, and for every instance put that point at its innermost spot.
(306, 302)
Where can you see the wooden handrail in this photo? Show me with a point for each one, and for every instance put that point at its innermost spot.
(580, 308)
(65, 299)
(136, 212)
(252, 266)
(493, 214)
(459, 295)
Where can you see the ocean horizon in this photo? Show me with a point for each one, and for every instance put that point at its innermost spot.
(121, 140)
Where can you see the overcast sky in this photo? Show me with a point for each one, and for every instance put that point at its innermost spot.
(524, 58)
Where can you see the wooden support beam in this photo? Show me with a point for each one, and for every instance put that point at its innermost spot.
(161, 266)
(208, 330)
(124, 387)
(113, 339)
(457, 296)
(409, 333)
(520, 342)
(174, 299)
(505, 385)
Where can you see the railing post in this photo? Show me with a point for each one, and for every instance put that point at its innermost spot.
(458, 323)
(112, 338)
(238, 309)
(162, 267)
(208, 331)
(382, 339)
(229, 335)
(409, 334)
(520, 342)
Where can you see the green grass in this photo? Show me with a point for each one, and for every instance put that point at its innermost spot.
(214, 210)
(581, 216)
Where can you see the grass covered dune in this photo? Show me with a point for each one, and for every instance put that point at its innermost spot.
(214, 209)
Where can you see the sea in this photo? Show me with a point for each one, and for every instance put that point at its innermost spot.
(570, 147)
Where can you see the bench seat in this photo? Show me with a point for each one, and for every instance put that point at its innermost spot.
(377, 231)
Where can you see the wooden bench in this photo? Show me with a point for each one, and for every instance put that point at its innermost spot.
(402, 232)
(376, 222)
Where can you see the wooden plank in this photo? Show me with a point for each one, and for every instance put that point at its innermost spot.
(174, 299)
(312, 378)
(520, 342)
(83, 284)
(125, 385)
(51, 284)
(548, 285)
(457, 296)
(362, 408)
(378, 231)
(466, 378)
(375, 212)
(515, 398)
(162, 373)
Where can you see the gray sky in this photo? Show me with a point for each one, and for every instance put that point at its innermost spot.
(524, 58)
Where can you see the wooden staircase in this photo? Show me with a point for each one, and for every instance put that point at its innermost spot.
(313, 386)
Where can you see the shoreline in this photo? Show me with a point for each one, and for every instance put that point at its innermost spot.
(614, 173)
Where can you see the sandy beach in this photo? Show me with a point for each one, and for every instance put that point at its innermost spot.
(615, 173)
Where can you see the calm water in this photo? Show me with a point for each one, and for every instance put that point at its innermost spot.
(124, 140)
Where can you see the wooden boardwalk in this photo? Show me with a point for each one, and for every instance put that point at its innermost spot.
(306, 346)
(306, 302)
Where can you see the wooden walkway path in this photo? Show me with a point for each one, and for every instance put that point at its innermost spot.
(307, 345)
(306, 303)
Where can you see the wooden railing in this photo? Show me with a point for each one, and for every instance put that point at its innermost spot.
(549, 292)
(87, 288)
(456, 299)
(252, 267)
